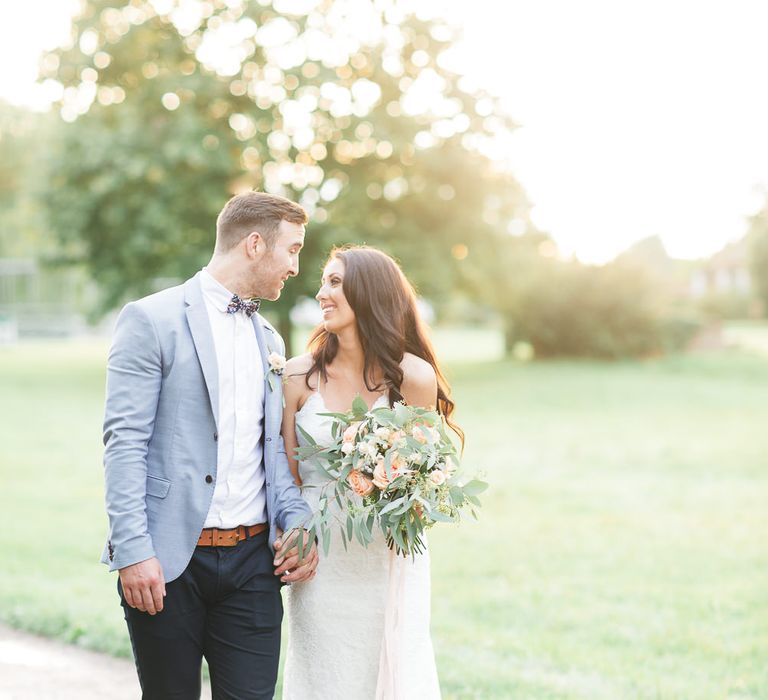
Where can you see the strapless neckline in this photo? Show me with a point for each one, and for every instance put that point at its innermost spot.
(316, 395)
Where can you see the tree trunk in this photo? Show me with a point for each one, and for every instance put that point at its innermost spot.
(510, 336)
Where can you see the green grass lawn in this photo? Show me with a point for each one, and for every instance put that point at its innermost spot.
(621, 552)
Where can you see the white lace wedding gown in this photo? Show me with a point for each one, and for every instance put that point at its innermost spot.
(336, 620)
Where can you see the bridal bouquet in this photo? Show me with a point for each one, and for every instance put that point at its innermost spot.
(392, 468)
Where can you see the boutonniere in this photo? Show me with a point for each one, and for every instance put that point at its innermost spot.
(276, 368)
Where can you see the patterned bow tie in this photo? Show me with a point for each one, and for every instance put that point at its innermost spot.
(250, 306)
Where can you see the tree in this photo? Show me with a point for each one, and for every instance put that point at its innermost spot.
(758, 253)
(173, 107)
(22, 232)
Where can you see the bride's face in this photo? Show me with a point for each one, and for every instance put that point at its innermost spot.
(337, 313)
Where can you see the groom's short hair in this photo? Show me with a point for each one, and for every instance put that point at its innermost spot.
(255, 211)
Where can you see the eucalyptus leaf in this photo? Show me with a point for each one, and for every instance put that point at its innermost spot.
(409, 527)
(402, 414)
(326, 540)
(358, 534)
(359, 407)
(384, 415)
(439, 517)
(391, 506)
(475, 487)
(457, 495)
(398, 537)
(306, 435)
(413, 443)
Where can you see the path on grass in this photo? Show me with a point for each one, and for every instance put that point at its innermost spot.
(34, 668)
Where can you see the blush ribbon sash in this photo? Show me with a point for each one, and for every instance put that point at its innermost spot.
(388, 684)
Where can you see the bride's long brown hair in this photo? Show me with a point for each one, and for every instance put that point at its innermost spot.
(388, 325)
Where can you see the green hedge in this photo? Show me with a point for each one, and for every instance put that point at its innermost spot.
(611, 311)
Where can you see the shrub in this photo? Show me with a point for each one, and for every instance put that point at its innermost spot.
(612, 311)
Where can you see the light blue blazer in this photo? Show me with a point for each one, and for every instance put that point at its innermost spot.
(160, 431)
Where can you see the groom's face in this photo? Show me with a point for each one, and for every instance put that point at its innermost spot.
(280, 262)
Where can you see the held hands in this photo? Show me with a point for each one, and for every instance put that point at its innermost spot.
(144, 585)
(287, 563)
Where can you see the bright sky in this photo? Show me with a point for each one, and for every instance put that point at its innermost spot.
(637, 118)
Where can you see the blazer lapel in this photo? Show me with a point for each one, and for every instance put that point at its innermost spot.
(265, 350)
(270, 394)
(200, 327)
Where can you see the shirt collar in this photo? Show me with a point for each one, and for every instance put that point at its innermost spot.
(214, 291)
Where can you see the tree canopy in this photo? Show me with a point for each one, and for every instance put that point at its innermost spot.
(170, 108)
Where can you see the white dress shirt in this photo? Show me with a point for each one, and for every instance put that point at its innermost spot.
(239, 497)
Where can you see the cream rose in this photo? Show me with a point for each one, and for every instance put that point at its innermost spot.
(437, 477)
(360, 483)
(365, 449)
(276, 362)
(418, 435)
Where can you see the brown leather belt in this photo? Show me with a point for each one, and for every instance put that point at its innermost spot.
(214, 537)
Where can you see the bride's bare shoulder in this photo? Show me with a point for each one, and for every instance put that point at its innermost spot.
(295, 374)
(419, 381)
(298, 365)
(416, 368)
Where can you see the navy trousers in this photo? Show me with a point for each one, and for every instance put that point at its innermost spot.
(226, 607)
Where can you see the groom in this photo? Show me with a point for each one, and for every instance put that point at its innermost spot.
(197, 480)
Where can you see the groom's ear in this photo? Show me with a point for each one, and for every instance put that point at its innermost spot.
(255, 246)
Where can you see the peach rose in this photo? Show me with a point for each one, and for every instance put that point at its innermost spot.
(395, 435)
(350, 432)
(418, 435)
(360, 483)
(380, 479)
(397, 468)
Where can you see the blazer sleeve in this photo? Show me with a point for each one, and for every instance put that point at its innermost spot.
(292, 509)
(134, 377)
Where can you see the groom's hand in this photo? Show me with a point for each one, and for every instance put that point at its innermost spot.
(287, 563)
(144, 585)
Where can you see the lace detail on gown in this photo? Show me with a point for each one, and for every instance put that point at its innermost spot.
(336, 621)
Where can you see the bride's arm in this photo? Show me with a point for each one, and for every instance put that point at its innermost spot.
(294, 393)
(419, 386)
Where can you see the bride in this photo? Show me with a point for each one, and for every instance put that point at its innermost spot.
(360, 629)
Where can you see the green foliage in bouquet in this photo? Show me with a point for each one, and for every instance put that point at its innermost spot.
(395, 468)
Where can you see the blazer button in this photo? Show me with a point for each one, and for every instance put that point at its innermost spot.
(208, 479)
(269, 439)
(216, 437)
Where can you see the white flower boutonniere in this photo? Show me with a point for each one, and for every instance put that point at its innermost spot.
(276, 367)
